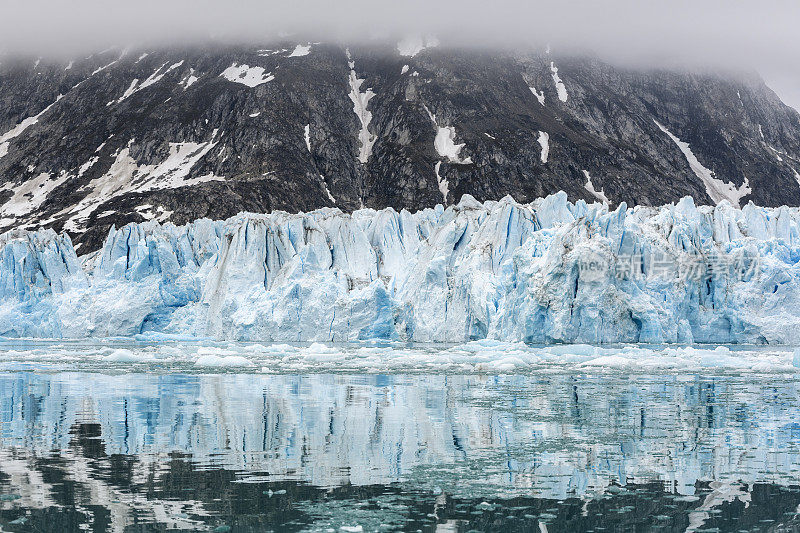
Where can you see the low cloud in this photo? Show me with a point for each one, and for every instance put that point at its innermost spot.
(726, 33)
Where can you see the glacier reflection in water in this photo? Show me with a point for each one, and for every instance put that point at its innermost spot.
(556, 438)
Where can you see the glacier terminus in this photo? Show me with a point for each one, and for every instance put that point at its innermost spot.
(546, 272)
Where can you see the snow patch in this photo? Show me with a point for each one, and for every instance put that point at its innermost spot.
(561, 89)
(404, 69)
(126, 176)
(360, 101)
(189, 80)
(307, 136)
(247, 75)
(539, 95)
(446, 146)
(300, 50)
(30, 194)
(155, 77)
(16, 131)
(544, 142)
(444, 186)
(600, 195)
(717, 189)
(327, 191)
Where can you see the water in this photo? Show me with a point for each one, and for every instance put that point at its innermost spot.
(160, 443)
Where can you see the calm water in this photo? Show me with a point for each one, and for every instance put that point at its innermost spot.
(336, 452)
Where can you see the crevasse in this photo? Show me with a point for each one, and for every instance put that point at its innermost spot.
(544, 272)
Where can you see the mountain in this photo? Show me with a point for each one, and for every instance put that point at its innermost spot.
(178, 134)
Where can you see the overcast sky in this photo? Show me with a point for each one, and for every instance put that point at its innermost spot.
(760, 35)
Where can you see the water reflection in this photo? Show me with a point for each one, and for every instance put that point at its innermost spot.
(255, 452)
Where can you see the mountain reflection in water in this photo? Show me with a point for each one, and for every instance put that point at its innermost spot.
(146, 452)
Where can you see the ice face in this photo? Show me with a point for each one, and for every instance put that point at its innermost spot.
(548, 271)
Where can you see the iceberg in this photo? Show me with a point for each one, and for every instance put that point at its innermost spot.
(550, 271)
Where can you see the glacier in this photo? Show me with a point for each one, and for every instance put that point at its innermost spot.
(544, 272)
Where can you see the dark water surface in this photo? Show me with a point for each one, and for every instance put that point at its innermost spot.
(253, 452)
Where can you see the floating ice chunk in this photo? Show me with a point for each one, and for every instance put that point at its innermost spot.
(247, 75)
(128, 356)
(217, 361)
(544, 142)
(717, 189)
(561, 89)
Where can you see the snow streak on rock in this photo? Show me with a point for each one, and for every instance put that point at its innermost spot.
(247, 75)
(717, 189)
(17, 130)
(560, 87)
(188, 80)
(126, 175)
(446, 146)
(600, 195)
(444, 186)
(301, 50)
(445, 142)
(539, 95)
(155, 77)
(360, 101)
(544, 142)
(30, 195)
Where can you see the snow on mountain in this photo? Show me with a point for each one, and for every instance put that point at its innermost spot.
(548, 271)
(561, 89)
(360, 102)
(717, 189)
(247, 75)
(288, 112)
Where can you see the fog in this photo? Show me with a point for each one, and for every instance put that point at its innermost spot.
(719, 33)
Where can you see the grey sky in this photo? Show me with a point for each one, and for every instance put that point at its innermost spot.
(726, 33)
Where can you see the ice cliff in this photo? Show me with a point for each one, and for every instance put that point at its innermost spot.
(548, 271)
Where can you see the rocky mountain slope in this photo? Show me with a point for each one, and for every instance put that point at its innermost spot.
(178, 134)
